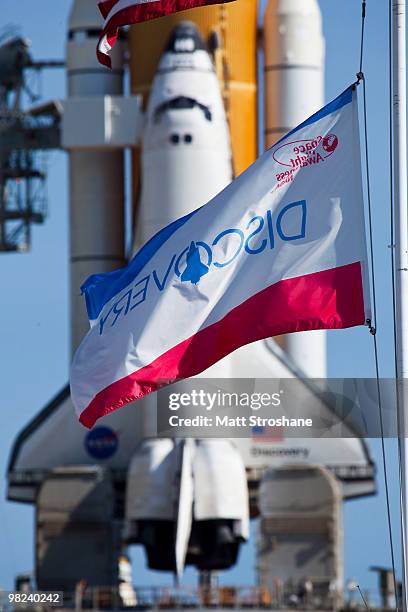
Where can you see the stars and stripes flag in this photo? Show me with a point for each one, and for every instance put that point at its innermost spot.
(265, 434)
(282, 249)
(118, 13)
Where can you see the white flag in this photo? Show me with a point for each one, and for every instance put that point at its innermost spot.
(282, 249)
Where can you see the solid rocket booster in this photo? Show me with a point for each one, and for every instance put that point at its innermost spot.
(294, 90)
(96, 178)
(294, 65)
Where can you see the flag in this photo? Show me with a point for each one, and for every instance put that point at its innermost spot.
(282, 249)
(266, 434)
(117, 13)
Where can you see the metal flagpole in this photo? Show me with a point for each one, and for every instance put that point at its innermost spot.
(401, 255)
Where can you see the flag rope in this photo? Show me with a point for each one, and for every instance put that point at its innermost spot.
(373, 324)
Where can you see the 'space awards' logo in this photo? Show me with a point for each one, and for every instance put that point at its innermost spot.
(304, 153)
(301, 154)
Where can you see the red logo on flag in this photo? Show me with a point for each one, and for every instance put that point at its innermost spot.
(330, 143)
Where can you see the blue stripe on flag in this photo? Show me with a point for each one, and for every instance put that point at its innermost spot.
(100, 288)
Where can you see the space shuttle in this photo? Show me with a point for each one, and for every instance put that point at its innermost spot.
(185, 137)
(186, 149)
(186, 501)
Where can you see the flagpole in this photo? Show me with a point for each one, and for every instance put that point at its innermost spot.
(401, 255)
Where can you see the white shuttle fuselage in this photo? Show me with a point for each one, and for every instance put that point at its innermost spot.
(186, 151)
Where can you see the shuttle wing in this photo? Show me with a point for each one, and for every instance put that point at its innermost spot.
(54, 437)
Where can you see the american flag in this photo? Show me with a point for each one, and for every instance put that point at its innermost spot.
(119, 13)
(264, 434)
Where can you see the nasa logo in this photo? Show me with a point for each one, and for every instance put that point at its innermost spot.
(101, 443)
(303, 154)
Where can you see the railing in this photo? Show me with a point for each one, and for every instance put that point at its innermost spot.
(126, 597)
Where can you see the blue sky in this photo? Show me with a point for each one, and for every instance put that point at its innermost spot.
(34, 295)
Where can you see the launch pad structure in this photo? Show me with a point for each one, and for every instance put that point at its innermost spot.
(23, 135)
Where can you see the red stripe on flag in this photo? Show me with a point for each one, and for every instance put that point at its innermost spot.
(137, 13)
(332, 299)
(106, 6)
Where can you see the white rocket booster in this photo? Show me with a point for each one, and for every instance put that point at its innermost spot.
(294, 65)
(294, 90)
(96, 177)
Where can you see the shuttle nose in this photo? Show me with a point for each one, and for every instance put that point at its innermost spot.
(185, 38)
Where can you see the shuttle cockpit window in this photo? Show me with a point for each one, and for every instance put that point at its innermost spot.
(182, 103)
